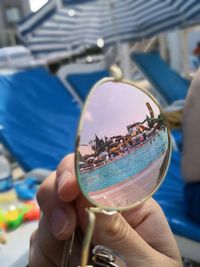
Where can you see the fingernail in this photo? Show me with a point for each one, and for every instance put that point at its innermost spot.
(59, 221)
(62, 180)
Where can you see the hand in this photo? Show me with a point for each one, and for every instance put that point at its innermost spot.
(142, 236)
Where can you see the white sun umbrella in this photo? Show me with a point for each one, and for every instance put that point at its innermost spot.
(77, 25)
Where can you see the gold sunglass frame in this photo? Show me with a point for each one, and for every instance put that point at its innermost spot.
(117, 77)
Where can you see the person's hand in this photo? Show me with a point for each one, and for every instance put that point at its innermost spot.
(142, 236)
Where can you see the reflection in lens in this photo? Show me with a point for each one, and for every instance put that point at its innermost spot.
(123, 147)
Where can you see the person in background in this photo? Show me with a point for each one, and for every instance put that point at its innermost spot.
(191, 149)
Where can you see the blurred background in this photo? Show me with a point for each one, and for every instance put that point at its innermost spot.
(51, 53)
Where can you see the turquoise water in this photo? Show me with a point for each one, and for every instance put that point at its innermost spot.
(119, 170)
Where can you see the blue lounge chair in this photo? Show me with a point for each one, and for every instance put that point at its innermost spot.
(164, 79)
(38, 118)
(79, 78)
(38, 121)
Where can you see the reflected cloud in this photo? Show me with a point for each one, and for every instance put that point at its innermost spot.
(88, 116)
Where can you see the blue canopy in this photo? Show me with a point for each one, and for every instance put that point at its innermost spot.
(38, 118)
(78, 25)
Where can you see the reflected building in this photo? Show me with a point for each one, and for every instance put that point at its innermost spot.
(100, 145)
(137, 131)
(150, 109)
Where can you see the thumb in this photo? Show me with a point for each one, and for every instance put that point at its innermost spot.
(114, 232)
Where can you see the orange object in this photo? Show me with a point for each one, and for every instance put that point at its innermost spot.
(33, 213)
(3, 226)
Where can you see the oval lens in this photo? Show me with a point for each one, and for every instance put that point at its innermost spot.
(123, 146)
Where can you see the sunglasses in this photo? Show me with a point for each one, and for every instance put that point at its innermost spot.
(122, 151)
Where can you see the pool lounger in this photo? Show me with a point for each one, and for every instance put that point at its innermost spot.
(38, 118)
(79, 78)
(166, 81)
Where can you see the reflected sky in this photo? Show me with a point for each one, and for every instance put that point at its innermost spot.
(111, 108)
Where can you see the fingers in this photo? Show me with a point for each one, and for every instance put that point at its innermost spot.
(114, 232)
(47, 251)
(67, 185)
(133, 236)
(59, 219)
(138, 235)
(150, 223)
(61, 216)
